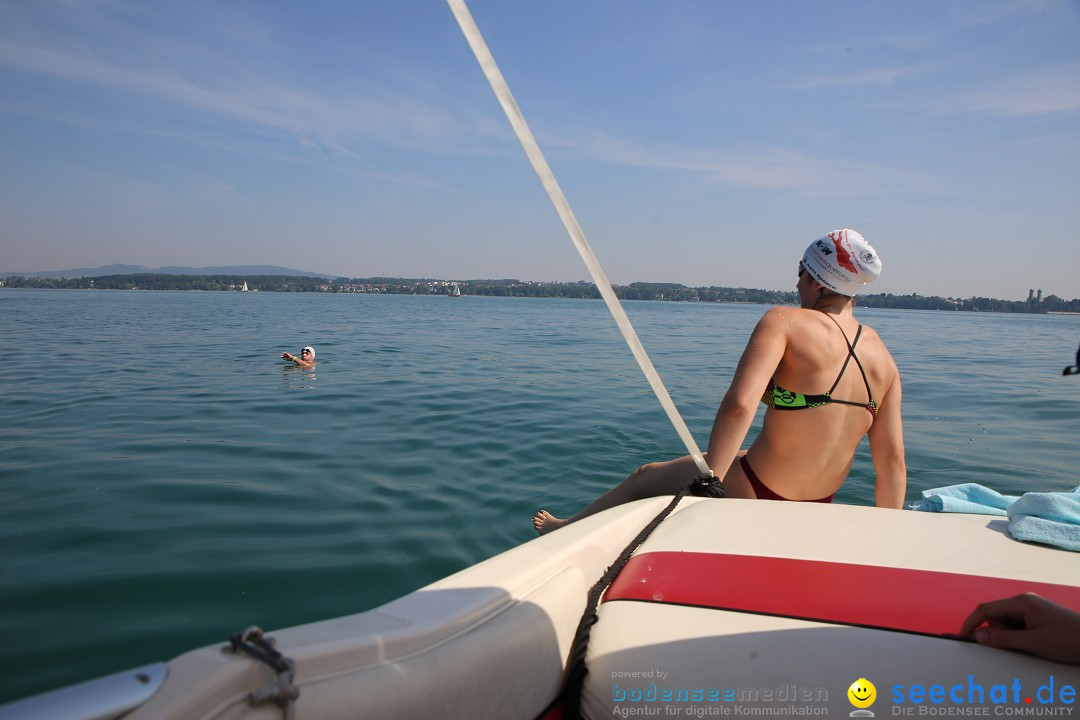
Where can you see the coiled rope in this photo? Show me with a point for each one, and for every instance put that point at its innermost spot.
(283, 692)
(576, 669)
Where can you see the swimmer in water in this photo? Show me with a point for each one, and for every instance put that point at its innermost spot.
(306, 358)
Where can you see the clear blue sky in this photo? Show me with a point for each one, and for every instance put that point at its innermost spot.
(703, 142)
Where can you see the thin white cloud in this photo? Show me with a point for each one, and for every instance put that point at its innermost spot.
(865, 78)
(322, 118)
(763, 167)
(987, 13)
(1050, 90)
(1053, 89)
(101, 47)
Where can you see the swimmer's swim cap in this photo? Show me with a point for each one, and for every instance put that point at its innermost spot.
(842, 261)
(309, 349)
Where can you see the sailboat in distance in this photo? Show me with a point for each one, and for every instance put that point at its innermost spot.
(454, 290)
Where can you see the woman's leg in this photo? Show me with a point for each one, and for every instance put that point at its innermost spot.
(652, 480)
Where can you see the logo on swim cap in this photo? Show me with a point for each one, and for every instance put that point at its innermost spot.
(842, 256)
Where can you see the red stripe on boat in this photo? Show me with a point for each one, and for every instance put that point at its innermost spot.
(920, 601)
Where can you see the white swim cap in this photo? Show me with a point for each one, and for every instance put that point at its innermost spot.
(310, 350)
(842, 261)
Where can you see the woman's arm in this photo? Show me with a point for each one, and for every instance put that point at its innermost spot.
(759, 361)
(887, 448)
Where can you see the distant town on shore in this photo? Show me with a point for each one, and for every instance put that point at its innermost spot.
(673, 292)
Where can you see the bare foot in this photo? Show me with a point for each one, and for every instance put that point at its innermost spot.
(544, 522)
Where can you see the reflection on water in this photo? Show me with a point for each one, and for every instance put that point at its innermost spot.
(298, 377)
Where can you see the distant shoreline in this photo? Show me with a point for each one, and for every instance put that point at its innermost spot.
(665, 292)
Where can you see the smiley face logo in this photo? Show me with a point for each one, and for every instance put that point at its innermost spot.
(862, 693)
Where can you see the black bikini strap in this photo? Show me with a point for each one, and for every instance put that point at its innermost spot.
(851, 354)
(866, 382)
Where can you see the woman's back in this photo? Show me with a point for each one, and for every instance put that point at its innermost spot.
(823, 406)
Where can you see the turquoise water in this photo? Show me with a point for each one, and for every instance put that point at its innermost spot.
(165, 480)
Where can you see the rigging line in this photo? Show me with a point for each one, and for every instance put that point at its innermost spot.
(555, 193)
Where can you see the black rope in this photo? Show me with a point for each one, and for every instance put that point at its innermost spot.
(283, 692)
(708, 487)
(576, 669)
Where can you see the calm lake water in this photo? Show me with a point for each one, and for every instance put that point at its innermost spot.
(165, 480)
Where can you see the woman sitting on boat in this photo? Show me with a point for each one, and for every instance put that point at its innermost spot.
(828, 381)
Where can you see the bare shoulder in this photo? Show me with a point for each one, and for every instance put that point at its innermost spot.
(872, 342)
(784, 316)
(803, 324)
(782, 323)
(869, 333)
(776, 314)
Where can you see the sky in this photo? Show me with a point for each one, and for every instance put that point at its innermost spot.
(703, 142)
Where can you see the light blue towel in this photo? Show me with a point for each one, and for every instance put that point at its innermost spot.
(966, 498)
(1051, 518)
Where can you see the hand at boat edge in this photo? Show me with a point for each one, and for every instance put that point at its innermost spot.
(1027, 622)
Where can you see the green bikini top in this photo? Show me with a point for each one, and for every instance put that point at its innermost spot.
(778, 398)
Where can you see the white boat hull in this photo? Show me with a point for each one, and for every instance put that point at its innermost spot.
(491, 641)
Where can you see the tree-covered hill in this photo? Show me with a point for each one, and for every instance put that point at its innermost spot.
(673, 292)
